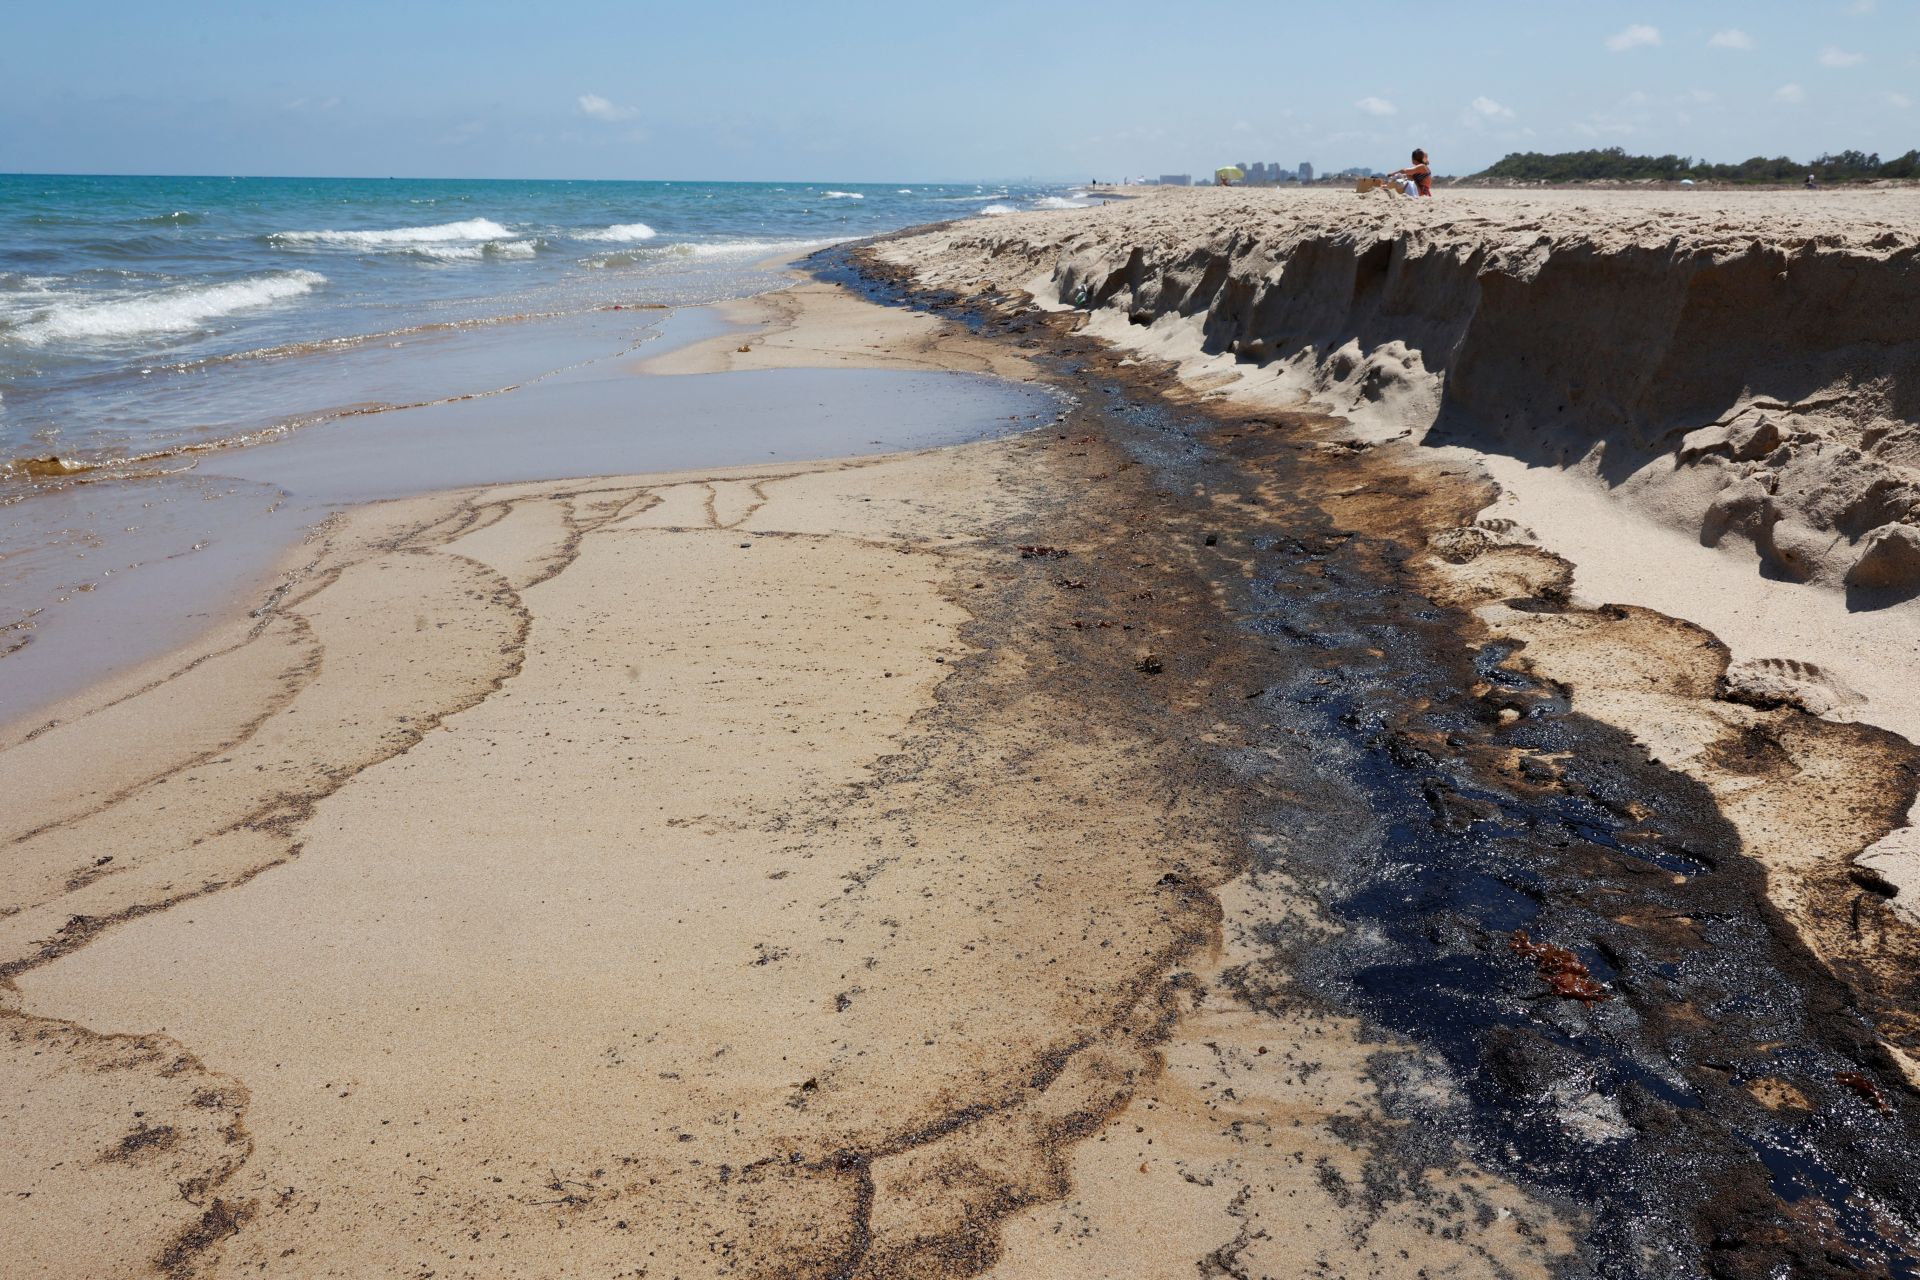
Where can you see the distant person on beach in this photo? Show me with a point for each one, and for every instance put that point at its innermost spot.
(1417, 178)
(1812, 184)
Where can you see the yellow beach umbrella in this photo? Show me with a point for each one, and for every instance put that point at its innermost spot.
(1232, 173)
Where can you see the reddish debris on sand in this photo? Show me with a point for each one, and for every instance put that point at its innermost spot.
(1041, 553)
(1861, 1083)
(1566, 976)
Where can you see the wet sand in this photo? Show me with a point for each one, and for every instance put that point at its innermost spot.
(1092, 852)
(103, 575)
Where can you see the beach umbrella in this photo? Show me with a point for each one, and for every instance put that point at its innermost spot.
(1232, 173)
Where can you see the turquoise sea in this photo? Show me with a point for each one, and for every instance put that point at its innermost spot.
(140, 314)
(195, 372)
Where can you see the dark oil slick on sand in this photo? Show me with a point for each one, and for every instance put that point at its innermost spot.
(1634, 1110)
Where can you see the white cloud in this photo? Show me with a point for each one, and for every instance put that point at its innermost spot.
(1634, 37)
(1731, 38)
(592, 104)
(1861, 6)
(1789, 93)
(1840, 58)
(1491, 109)
(1899, 101)
(1377, 107)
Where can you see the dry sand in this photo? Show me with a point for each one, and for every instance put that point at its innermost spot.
(723, 873)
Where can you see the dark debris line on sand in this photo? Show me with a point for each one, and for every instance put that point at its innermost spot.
(1626, 1099)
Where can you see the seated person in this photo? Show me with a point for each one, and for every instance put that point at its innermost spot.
(1416, 179)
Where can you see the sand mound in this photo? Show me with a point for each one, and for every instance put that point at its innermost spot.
(1741, 365)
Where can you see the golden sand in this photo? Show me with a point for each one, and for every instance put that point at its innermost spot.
(708, 874)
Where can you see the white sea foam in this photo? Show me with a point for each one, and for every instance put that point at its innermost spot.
(401, 237)
(716, 250)
(844, 195)
(179, 310)
(752, 248)
(996, 209)
(620, 233)
(475, 252)
(904, 191)
(1057, 202)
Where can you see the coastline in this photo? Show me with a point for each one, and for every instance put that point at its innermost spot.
(110, 576)
(894, 609)
(1030, 953)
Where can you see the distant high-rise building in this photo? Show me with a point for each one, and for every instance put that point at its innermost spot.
(1306, 172)
(1176, 179)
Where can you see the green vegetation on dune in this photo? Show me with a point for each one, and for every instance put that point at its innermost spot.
(1614, 163)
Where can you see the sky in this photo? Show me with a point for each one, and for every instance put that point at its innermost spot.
(852, 91)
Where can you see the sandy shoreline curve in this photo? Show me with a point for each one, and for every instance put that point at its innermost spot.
(999, 859)
(677, 874)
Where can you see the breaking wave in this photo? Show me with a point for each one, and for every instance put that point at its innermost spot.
(752, 248)
(1059, 202)
(620, 233)
(180, 310)
(996, 209)
(843, 195)
(514, 249)
(400, 237)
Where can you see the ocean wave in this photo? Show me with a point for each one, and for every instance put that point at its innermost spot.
(20, 284)
(718, 249)
(620, 233)
(179, 310)
(399, 237)
(178, 218)
(753, 248)
(843, 195)
(997, 209)
(1058, 202)
(515, 249)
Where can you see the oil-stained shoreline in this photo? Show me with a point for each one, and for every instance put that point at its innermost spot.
(1728, 1106)
(1179, 920)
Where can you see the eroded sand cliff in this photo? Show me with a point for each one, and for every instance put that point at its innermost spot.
(1741, 365)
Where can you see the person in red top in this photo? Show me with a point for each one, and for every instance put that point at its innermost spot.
(1416, 178)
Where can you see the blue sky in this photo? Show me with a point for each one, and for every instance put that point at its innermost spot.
(914, 91)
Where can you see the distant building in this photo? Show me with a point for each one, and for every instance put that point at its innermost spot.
(1306, 172)
(1176, 179)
